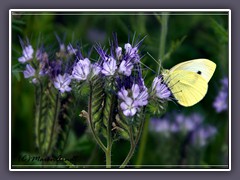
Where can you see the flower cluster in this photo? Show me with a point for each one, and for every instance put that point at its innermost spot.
(39, 66)
(221, 101)
(121, 67)
(124, 67)
(179, 123)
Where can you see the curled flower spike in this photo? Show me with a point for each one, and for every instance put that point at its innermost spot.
(81, 70)
(27, 54)
(29, 72)
(62, 83)
(160, 89)
(109, 67)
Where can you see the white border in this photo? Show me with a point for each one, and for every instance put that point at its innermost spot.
(118, 10)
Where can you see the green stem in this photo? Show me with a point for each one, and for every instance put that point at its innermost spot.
(108, 157)
(143, 143)
(133, 144)
(38, 115)
(163, 38)
(131, 151)
(90, 121)
(109, 133)
(109, 145)
(56, 112)
(37, 118)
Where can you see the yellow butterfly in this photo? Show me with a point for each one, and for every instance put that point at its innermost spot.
(188, 81)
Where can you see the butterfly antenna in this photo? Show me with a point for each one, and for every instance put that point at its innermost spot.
(147, 67)
(154, 59)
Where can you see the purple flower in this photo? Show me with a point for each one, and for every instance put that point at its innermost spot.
(96, 69)
(27, 54)
(54, 68)
(109, 67)
(221, 101)
(131, 102)
(118, 52)
(62, 83)
(201, 136)
(160, 89)
(81, 69)
(131, 53)
(29, 72)
(188, 123)
(125, 68)
(129, 107)
(39, 54)
(140, 97)
(123, 94)
(162, 126)
(224, 82)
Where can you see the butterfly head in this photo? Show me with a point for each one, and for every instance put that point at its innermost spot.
(165, 72)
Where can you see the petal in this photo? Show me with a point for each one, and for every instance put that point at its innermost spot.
(135, 91)
(123, 93)
(127, 48)
(128, 101)
(127, 112)
(123, 106)
(22, 59)
(133, 111)
(68, 89)
(112, 64)
(107, 73)
(87, 61)
(106, 67)
(122, 67)
(56, 84)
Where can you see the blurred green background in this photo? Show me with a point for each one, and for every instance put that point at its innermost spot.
(189, 36)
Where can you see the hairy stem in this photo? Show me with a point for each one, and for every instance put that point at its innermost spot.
(56, 113)
(133, 144)
(163, 37)
(109, 133)
(38, 95)
(98, 140)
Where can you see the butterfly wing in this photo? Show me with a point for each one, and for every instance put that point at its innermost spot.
(203, 67)
(187, 87)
